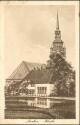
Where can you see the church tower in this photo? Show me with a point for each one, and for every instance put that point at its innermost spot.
(57, 45)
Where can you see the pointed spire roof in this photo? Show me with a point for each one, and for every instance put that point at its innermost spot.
(57, 26)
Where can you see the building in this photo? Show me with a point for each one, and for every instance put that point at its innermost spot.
(39, 87)
(21, 71)
(57, 46)
(34, 80)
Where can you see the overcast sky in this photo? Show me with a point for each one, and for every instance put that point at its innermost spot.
(29, 33)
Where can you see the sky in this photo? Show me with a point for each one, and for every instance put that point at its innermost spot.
(29, 33)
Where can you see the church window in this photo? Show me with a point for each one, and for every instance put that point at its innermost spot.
(42, 90)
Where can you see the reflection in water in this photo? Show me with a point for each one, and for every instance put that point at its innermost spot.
(40, 102)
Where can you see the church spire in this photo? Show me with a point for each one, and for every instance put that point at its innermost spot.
(57, 26)
(57, 31)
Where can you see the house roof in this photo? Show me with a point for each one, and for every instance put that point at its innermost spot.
(23, 69)
(39, 76)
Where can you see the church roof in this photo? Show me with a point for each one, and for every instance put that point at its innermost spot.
(23, 69)
(39, 76)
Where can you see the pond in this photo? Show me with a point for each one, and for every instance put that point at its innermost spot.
(41, 107)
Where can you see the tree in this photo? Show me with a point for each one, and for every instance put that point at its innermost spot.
(62, 73)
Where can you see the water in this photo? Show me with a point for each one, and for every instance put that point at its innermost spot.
(49, 107)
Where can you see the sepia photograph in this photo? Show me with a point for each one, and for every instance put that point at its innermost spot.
(40, 61)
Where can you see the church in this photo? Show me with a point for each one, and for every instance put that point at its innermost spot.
(57, 45)
(37, 80)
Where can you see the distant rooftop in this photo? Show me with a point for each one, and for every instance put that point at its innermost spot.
(23, 69)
